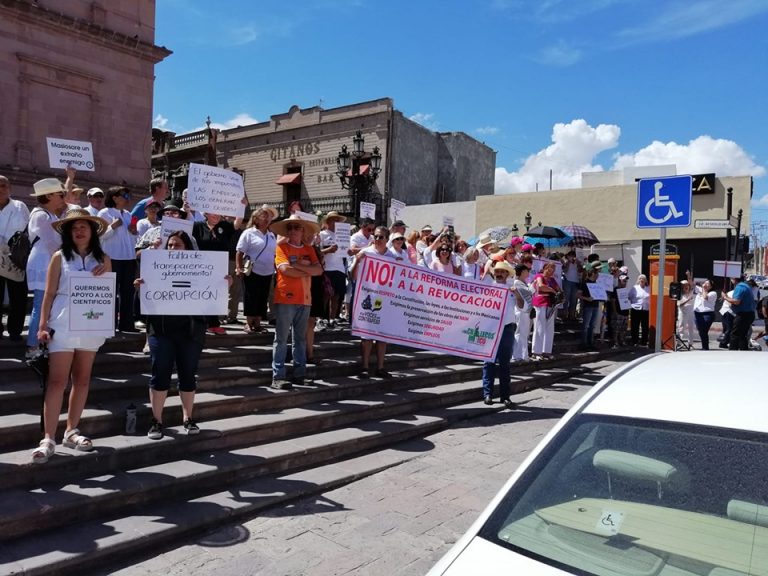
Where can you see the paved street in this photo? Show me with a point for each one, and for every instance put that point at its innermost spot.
(399, 521)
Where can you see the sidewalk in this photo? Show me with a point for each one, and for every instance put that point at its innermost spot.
(399, 521)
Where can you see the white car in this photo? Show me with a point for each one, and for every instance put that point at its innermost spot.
(660, 470)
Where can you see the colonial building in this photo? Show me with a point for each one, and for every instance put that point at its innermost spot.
(294, 155)
(77, 70)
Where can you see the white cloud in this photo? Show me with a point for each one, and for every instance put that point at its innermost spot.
(242, 119)
(487, 130)
(559, 54)
(760, 202)
(426, 120)
(701, 155)
(160, 121)
(574, 147)
(242, 35)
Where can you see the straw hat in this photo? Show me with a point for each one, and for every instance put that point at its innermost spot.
(281, 228)
(80, 214)
(504, 265)
(396, 236)
(334, 217)
(47, 186)
(485, 240)
(267, 208)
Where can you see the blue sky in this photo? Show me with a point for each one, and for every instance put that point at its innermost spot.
(567, 85)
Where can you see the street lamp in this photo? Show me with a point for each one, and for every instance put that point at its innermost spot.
(358, 170)
(528, 219)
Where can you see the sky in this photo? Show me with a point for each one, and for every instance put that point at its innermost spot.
(563, 85)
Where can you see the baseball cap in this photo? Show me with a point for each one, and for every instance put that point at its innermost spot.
(399, 223)
(94, 191)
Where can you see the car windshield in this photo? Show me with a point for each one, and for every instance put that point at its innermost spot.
(624, 497)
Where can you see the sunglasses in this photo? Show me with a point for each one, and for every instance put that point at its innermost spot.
(127, 196)
(290, 227)
(379, 237)
(445, 251)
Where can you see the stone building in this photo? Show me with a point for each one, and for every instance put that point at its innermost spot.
(293, 156)
(77, 70)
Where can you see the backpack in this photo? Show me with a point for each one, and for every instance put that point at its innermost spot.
(20, 247)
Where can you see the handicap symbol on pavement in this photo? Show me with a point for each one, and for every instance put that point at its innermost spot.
(664, 202)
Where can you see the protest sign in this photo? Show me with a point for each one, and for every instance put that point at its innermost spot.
(538, 264)
(622, 295)
(726, 269)
(447, 221)
(215, 190)
(596, 291)
(404, 304)
(92, 304)
(171, 224)
(395, 210)
(63, 153)
(368, 210)
(342, 232)
(184, 282)
(605, 281)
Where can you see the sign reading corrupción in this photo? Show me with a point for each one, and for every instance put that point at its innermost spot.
(184, 282)
(410, 305)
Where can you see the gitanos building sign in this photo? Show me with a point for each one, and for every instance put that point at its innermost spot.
(291, 151)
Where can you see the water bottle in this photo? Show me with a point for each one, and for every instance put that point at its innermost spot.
(130, 419)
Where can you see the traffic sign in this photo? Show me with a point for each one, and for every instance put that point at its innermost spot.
(713, 224)
(664, 202)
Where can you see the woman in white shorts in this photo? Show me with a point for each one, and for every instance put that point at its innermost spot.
(69, 354)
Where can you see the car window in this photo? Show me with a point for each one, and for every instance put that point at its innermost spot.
(628, 497)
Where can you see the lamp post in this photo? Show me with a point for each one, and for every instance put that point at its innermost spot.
(358, 170)
(528, 219)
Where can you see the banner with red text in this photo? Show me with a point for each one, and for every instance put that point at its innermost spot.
(414, 306)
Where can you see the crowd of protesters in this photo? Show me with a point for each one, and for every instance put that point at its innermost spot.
(291, 273)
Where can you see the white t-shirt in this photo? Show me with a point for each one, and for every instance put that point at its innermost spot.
(704, 303)
(13, 218)
(358, 240)
(118, 243)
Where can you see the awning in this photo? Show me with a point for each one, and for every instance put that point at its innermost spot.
(362, 170)
(291, 178)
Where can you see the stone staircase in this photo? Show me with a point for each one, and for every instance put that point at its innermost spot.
(258, 447)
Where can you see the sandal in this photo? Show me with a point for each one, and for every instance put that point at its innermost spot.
(44, 451)
(76, 441)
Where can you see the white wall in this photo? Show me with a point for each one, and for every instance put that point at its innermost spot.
(463, 217)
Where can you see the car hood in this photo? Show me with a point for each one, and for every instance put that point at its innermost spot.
(484, 557)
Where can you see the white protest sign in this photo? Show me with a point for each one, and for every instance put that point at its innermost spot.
(726, 269)
(596, 291)
(622, 295)
(184, 283)
(396, 208)
(63, 153)
(368, 210)
(92, 304)
(306, 216)
(410, 305)
(447, 221)
(605, 281)
(342, 232)
(171, 224)
(215, 190)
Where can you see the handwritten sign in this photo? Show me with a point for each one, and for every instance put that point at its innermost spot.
(447, 221)
(63, 153)
(342, 232)
(184, 282)
(596, 291)
(622, 295)
(405, 304)
(396, 208)
(171, 224)
(92, 304)
(368, 210)
(605, 281)
(215, 190)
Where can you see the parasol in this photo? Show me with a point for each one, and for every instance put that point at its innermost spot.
(582, 236)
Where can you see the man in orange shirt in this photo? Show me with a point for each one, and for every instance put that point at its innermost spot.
(296, 262)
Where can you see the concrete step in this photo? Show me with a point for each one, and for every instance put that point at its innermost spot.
(200, 492)
(20, 433)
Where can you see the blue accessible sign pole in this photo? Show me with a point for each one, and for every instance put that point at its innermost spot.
(663, 203)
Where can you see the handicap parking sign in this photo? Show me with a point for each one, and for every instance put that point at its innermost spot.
(664, 202)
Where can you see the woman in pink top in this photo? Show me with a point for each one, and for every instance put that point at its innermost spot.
(442, 261)
(545, 291)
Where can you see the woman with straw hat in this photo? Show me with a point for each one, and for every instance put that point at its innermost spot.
(71, 355)
(50, 197)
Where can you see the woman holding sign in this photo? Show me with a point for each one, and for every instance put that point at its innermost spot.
(70, 355)
(174, 340)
